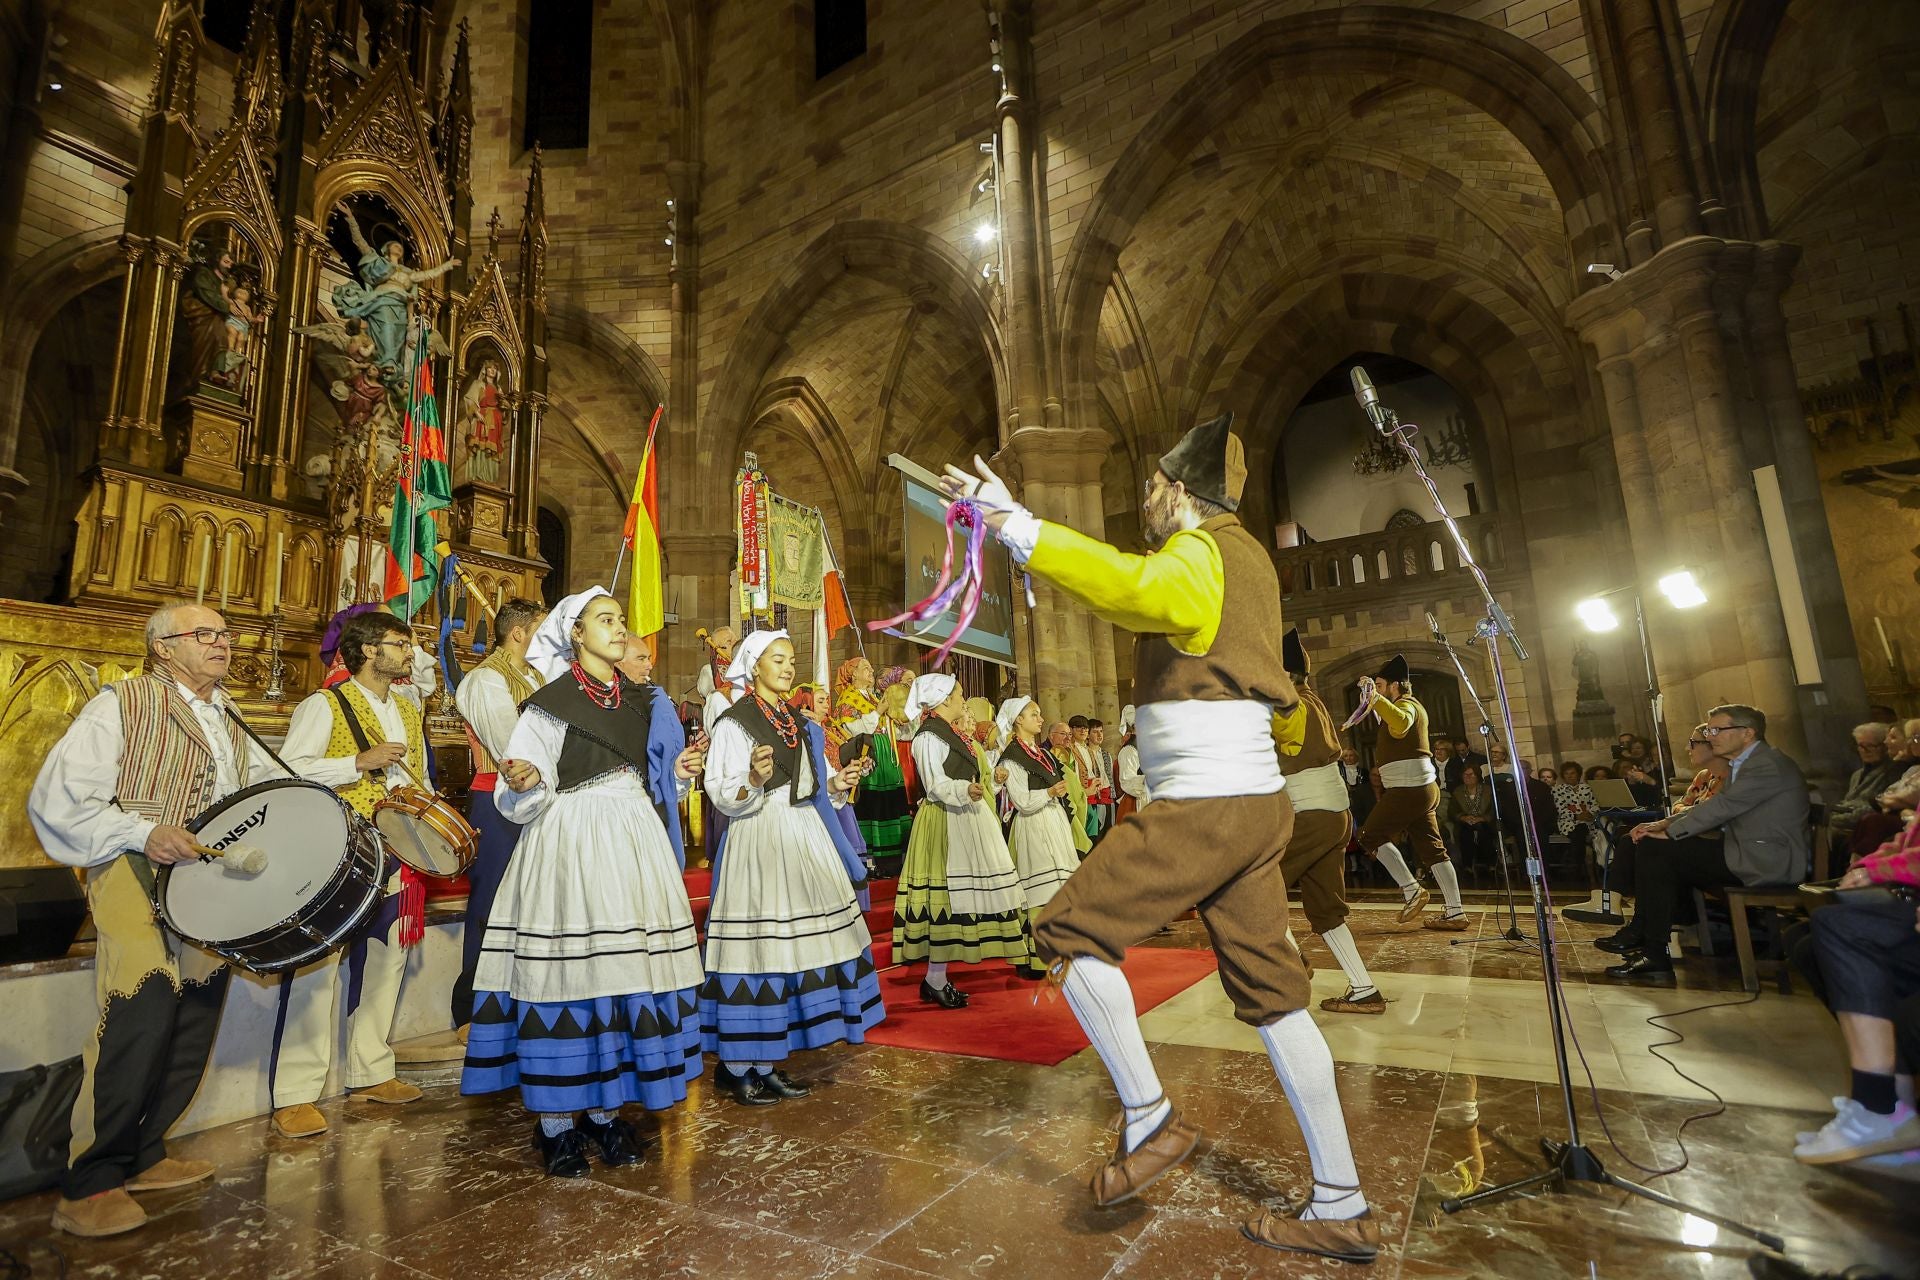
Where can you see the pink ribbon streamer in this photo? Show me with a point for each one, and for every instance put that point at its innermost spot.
(966, 588)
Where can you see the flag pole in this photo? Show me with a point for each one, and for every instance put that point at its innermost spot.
(412, 469)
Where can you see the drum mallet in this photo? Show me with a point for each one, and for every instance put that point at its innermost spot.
(247, 859)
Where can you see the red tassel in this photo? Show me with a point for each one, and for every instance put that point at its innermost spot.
(413, 907)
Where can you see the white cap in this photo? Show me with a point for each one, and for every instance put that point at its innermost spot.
(747, 654)
(928, 692)
(1009, 712)
(551, 649)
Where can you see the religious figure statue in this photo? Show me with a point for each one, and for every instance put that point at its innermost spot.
(483, 426)
(1586, 668)
(384, 297)
(218, 311)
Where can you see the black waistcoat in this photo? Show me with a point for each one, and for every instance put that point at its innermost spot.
(961, 764)
(599, 740)
(750, 716)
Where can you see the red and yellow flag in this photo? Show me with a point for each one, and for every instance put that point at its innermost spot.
(646, 598)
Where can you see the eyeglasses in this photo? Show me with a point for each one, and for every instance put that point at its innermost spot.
(205, 635)
(1715, 730)
(395, 644)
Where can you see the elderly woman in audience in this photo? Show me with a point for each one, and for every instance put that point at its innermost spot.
(1877, 771)
(1572, 807)
(1893, 805)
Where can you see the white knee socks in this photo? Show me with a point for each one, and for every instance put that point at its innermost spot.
(1305, 1066)
(1102, 1002)
(1339, 940)
(936, 974)
(1449, 881)
(1389, 855)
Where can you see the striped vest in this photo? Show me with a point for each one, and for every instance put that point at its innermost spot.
(371, 788)
(167, 772)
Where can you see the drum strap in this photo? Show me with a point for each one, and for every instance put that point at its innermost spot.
(261, 742)
(354, 726)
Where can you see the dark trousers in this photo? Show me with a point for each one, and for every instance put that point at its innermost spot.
(1868, 955)
(145, 1067)
(497, 840)
(1666, 870)
(1476, 842)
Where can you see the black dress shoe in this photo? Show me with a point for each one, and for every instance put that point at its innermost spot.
(785, 1085)
(751, 1090)
(946, 997)
(1620, 944)
(619, 1142)
(565, 1153)
(1644, 970)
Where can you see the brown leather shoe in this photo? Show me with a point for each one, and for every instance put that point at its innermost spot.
(1447, 924)
(1131, 1172)
(392, 1093)
(1372, 1002)
(1411, 909)
(302, 1120)
(110, 1213)
(168, 1173)
(1347, 1239)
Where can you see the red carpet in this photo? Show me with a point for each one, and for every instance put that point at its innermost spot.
(1004, 1022)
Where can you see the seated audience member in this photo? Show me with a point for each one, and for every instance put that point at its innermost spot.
(1761, 814)
(1888, 814)
(1573, 807)
(1598, 771)
(1474, 832)
(1644, 782)
(1868, 958)
(1876, 773)
(1539, 800)
(1443, 813)
(1621, 744)
(1359, 785)
(1459, 758)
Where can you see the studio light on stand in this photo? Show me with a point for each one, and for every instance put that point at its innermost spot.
(1569, 1160)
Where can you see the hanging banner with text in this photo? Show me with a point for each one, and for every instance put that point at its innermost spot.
(924, 549)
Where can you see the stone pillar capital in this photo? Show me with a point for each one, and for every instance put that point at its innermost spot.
(1037, 455)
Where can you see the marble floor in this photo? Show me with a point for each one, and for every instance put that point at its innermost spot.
(906, 1164)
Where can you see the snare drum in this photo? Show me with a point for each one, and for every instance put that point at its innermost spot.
(426, 832)
(322, 881)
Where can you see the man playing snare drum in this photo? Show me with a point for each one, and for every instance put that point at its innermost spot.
(360, 738)
(141, 760)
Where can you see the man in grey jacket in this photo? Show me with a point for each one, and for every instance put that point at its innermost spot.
(1761, 817)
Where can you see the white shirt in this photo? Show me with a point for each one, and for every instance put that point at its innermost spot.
(72, 802)
(311, 730)
(488, 707)
(1733, 765)
(1131, 780)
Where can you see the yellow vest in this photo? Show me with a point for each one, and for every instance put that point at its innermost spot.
(371, 788)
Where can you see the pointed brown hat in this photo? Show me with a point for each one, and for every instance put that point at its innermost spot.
(1395, 669)
(1293, 654)
(1211, 462)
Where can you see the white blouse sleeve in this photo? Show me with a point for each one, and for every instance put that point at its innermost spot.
(1132, 781)
(537, 739)
(71, 803)
(309, 733)
(729, 768)
(487, 706)
(713, 708)
(930, 761)
(1027, 799)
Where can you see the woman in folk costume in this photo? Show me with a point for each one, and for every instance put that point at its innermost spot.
(855, 709)
(1129, 782)
(1042, 838)
(587, 991)
(883, 805)
(1060, 747)
(716, 694)
(789, 959)
(959, 899)
(809, 700)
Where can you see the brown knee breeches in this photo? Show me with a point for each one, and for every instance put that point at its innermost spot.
(1220, 855)
(1406, 812)
(1315, 865)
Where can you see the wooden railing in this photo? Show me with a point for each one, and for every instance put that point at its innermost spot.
(1382, 563)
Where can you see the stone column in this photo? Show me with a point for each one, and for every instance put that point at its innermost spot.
(1686, 481)
(1016, 169)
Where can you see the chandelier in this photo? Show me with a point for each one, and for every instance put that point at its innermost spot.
(1447, 447)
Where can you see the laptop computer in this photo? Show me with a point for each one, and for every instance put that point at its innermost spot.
(1612, 793)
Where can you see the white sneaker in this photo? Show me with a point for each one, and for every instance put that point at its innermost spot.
(1857, 1132)
(1805, 1136)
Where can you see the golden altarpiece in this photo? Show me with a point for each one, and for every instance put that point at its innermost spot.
(282, 268)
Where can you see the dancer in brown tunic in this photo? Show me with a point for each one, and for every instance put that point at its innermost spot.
(1208, 678)
(1315, 864)
(1409, 798)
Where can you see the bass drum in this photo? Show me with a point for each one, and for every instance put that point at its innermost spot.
(321, 884)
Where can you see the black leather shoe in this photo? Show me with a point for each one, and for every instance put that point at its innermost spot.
(619, 1142)
(785, 1085)
(946, 997)
(1644, 970)
(750, 1090)
(1620, 944)
(565, 1153)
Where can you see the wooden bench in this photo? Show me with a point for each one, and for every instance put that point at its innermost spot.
(1740, 899)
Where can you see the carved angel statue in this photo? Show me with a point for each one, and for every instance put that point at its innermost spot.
(384, 297)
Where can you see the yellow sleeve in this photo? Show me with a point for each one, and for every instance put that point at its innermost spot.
(1398, 719)
(1290, 728)
(1177, 592)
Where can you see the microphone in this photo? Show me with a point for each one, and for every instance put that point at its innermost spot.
(1433, 628)
(1369, 399)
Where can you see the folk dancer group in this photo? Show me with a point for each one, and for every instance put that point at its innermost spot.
(584, 984)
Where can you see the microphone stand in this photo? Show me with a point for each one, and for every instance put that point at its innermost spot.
(1569, 1160)
(1513, 932)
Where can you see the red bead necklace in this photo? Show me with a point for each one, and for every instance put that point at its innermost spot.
(781, 717)
(604, 696)
(1035, 755)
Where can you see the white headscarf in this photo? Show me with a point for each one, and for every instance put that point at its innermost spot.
(928, 692)
(747, 654)
(1127, 714)
(1009, 712)
(551, 648)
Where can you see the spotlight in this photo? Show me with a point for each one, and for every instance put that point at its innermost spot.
(669, 202)
(56, 86)
(985, 185)
(669, 242)
(1681, 591)
(1596, 615)
(996, 66)
(988, 271)
(986, 148)
(984, 233)
(1603, 269)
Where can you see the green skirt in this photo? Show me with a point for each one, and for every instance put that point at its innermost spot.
(959, 900)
